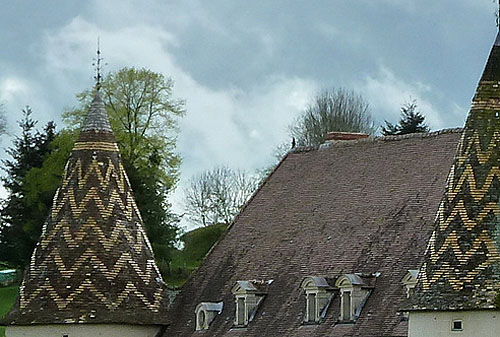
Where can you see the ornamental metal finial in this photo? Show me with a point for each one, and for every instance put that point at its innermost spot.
(497, 15)
(97, 66)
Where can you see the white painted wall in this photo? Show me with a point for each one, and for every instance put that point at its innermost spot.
(438, 324)
(82, 330)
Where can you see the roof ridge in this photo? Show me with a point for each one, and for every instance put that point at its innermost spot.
(345, 143)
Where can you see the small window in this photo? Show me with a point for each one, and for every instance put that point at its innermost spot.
(240, 309)
(65, 335)
(457, 325)
(201, 318)
(311, 308)
(346, 306)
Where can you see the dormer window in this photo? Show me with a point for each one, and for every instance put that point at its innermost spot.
(318, 297)
(205, 313)
(410, 281)
(248, 297)
(354, 291)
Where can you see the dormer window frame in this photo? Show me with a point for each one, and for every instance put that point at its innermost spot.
(248, 297)
(207, 310)
(346, 294)
(410, 281)
(241, 300)
(311, 307)
(354, 293)
(318, 293)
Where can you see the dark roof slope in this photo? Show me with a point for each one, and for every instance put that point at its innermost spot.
(93, 263)
(362, 206)
(462, 263)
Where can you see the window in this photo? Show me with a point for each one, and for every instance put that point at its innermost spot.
(240, 309)
(318, 295)
(201, 318)
(311, 308)
(205, 313)
(346, 312)
(248, 297)
(457, 325)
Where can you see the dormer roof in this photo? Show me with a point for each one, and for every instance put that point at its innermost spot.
(210, 306)
(252, 286)
(360, 280)
(94, 262)
(315, 281)
(410, 277)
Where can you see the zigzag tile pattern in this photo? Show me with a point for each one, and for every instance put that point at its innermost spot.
(94, 262)
(462, 261)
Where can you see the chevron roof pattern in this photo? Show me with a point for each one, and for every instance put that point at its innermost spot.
(94, 262)
(462, 261)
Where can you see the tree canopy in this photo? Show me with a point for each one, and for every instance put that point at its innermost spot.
(216, 196)
(332, 110)
(143, 114)
(411, 121)
(22, 216)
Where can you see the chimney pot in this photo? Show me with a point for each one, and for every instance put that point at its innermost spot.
(336, 135)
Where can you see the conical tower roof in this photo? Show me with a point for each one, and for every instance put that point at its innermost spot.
(93, 263)
(461, 269)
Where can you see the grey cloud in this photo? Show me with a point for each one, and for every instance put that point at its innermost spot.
(247, 69)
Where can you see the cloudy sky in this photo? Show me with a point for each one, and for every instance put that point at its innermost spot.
(247, 68)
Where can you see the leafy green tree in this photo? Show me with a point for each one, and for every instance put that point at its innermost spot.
(333, 110)
(143, 114)
(411, 121)
(21, 220)
(42, 182)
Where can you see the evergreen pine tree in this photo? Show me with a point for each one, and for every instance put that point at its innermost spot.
(20, 224)
(412, 121)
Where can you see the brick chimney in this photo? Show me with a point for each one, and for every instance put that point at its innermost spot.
(337, 135)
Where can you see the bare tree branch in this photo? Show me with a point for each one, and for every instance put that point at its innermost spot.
(333, 110)
(216, 196)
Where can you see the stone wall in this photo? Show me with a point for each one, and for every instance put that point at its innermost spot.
(439, 324)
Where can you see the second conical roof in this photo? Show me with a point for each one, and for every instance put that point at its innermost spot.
(462, 262)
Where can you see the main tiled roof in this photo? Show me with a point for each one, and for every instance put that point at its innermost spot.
(462, 262)
(362, 206)
(93, 263)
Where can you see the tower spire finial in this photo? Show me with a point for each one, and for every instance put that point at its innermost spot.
(97, 65)
(497, 15)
